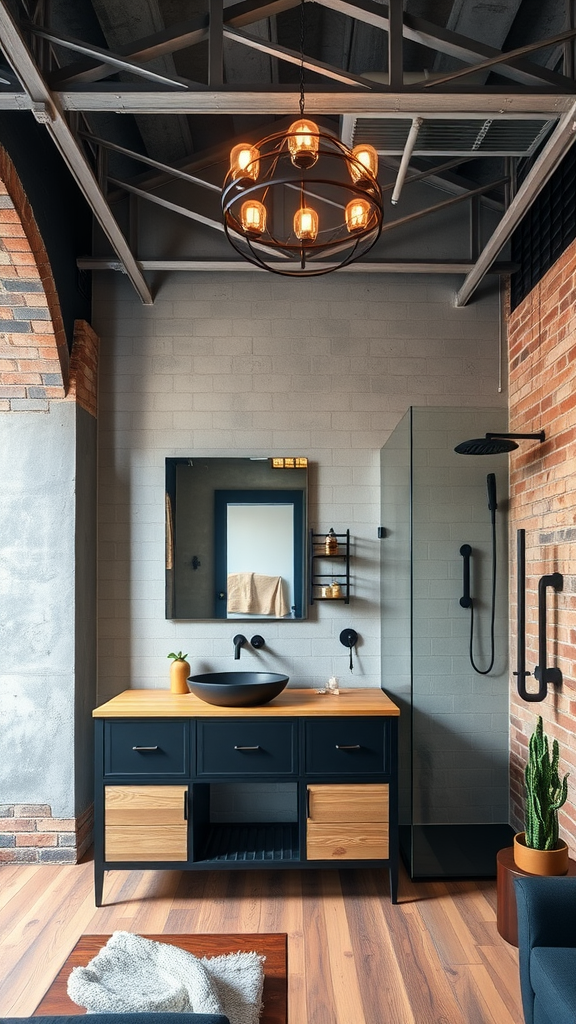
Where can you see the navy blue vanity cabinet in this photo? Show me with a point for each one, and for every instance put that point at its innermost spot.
(165, 764)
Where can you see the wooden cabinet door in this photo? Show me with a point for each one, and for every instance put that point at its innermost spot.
(145, 823)
(347, 822)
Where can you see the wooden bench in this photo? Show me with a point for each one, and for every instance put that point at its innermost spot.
(272, 946)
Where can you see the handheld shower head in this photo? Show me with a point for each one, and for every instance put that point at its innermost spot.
(491, 491)
(495, 444)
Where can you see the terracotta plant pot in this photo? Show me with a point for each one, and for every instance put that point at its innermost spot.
(540, 862)
(179, 672)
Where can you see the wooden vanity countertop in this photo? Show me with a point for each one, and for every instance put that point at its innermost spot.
(291, 703)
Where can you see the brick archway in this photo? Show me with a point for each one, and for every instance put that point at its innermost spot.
(34, 361)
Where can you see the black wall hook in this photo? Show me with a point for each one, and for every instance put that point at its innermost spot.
(349, 638)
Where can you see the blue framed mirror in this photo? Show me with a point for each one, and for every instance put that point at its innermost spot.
(236, 537)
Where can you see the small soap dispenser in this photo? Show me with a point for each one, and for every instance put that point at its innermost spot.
(331, 543)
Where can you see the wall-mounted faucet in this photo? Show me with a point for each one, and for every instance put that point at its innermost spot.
(258, 641)
(238, 642)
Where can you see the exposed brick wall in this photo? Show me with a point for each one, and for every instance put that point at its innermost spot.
(84, 367)
(33, 349)
(542, 348)
(30, 835)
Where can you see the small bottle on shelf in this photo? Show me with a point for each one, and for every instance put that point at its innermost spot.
(336, 589)
(331, 542)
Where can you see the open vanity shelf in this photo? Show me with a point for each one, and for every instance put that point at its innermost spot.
(161, 758)
(325, 567)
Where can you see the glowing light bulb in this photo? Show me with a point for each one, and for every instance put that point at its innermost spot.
(253, 218)
(303, 143)
(357, 215)
(306, 224)
(244, 161)
(365, 165)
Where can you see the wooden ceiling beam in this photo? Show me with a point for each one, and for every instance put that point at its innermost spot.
(133, 98)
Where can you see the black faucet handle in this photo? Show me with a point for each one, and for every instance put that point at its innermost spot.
(258, 641)
(238, 641)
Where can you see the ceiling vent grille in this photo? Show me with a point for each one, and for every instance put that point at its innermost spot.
(440, 137)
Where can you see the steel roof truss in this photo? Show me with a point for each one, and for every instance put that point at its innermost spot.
(26, 70)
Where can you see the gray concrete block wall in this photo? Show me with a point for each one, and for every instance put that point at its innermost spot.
(254, 364)
(37, 581)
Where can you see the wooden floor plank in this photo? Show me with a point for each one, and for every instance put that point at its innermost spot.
(383, 992)
(479, 997)
(353, 958)
(502, 965)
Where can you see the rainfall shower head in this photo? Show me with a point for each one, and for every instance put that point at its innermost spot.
(495, 444)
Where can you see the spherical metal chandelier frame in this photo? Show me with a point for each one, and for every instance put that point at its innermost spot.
(316, 194)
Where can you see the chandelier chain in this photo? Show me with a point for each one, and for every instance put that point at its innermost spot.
(301, 58)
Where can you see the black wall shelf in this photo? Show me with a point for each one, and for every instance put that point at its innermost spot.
(319, 563)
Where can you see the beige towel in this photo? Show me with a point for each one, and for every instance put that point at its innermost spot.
(250, 593)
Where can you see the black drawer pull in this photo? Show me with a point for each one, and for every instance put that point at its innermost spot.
(247, 748)
(141, 749)
(351, 746)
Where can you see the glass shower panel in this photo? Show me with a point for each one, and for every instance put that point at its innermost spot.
(454, 722)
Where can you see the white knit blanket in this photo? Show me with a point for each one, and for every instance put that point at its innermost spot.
(134, 975)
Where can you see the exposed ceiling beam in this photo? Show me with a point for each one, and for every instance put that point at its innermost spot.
(166, 204)
(215, 44)
(169, 40)
(131, 98)
(21, 60)
(116, 63)
(173, 172)
(293, 57)
(185, 211)
(241, 266)
(454, 184)
(395, 45)
(418, 214)
(493, 62)
(541, 171)
(434, 37)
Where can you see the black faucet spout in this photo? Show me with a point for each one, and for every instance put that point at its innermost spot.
(238, 642)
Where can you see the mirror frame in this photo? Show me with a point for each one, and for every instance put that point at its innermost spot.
(301, 537)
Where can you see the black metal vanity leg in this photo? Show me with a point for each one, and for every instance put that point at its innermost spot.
(98, 884)
(393, 874)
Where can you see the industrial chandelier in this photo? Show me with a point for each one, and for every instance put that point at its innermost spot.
(297, 198)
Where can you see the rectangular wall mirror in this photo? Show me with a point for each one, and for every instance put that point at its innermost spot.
(236, 538)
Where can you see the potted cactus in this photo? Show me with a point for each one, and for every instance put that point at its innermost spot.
(179, 672)
(538, 850)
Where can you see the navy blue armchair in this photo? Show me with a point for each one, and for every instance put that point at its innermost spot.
(547, 946)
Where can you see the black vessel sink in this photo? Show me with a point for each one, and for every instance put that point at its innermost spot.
(237, 689)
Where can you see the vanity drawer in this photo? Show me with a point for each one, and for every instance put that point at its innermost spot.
(362, 841)
(146, 747)
(247, 747)
(348, 803)
(347, 746)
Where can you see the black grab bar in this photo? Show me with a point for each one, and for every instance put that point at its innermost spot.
(543, 673)
(521, 673)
